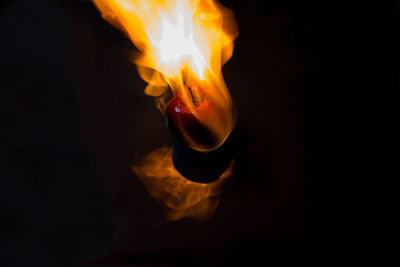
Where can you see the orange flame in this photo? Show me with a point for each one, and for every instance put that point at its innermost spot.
(182, 42)
(183, 45)
(181, 197)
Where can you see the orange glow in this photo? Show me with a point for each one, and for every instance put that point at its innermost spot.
(180, 197)
(182, 43)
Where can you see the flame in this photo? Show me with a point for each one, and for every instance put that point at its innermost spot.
(179, 196)
(181, 43)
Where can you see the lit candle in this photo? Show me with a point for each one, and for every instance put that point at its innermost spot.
(187, 115)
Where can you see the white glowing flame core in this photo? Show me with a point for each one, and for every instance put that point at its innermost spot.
(177, 47)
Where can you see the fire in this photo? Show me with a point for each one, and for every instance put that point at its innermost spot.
(183, 44)
(179, 196)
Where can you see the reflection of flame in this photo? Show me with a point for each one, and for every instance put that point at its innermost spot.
(181, 42)
(181, 197)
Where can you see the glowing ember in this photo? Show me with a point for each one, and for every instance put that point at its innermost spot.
(179, 196)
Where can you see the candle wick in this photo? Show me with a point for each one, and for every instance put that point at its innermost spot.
(194, 100)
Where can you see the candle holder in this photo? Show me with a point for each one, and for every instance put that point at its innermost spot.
(202, 167)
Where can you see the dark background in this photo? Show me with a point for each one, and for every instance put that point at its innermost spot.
(316, 88)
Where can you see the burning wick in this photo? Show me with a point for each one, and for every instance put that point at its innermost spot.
(194, 99)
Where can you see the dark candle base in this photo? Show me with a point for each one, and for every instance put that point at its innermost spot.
(202, 167)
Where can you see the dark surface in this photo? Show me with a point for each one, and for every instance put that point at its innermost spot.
(316, 91)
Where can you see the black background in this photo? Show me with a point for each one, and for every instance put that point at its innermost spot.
(316, 88)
